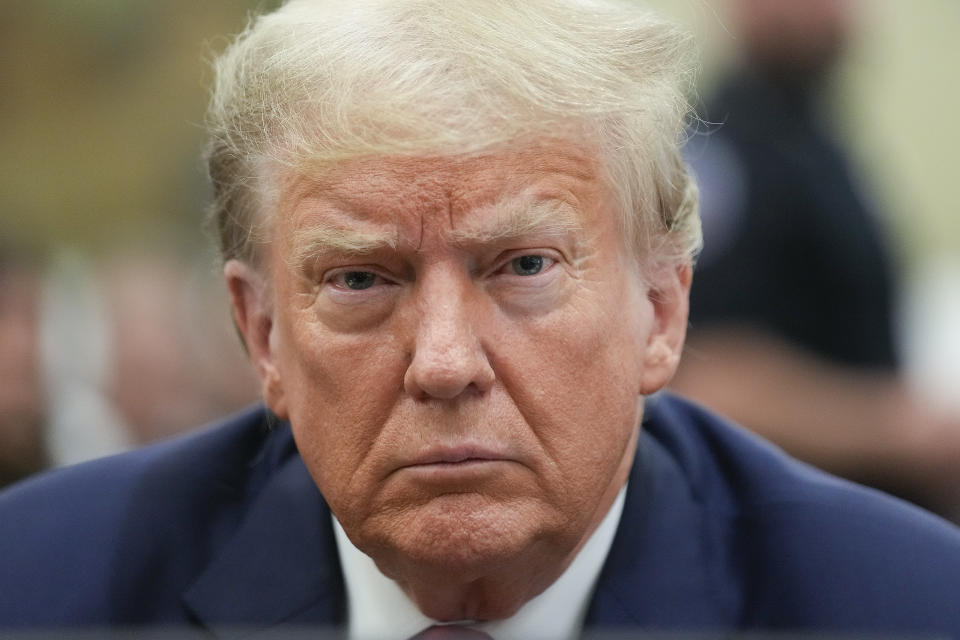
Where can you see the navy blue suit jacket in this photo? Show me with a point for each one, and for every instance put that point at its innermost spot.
(225, 529)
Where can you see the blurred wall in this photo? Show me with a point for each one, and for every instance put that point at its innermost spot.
(100, 118)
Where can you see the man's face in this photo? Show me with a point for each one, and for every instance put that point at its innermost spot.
(460, 345)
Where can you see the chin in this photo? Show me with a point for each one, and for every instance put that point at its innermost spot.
(466, 537)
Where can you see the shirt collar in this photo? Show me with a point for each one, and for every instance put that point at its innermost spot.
(378, 608)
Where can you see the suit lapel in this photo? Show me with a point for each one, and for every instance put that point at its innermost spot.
(281, 566)
(661, 569)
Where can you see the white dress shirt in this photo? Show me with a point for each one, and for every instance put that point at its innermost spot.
(379, 609)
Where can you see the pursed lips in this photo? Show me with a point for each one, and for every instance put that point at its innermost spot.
(457, 455)
(456, 466)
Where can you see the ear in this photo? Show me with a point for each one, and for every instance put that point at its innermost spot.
(670, 296)
(251, 299)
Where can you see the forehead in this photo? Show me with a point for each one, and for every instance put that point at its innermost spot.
(391, 189)
(494, 168)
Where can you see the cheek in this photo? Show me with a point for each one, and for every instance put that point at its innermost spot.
(340, 390)
(592, 346)
(575, 377)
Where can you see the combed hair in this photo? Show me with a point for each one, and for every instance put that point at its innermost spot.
(318, 82)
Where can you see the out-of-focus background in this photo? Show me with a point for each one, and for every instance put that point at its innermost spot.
(114, 328)
(892, 96)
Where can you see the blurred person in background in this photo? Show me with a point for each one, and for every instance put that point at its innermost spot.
(22, 410)
(792, 310)
(98, 358)
(136, 348)
(176, 360)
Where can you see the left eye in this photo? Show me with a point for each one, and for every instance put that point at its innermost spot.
(358, 280)
(528, 265)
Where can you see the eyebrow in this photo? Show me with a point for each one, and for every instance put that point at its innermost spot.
(550, 217)
(313, 242)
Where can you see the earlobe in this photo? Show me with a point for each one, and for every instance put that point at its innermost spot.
(251, 301)
(670, 300)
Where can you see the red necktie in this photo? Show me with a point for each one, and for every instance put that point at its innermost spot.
(450, 632)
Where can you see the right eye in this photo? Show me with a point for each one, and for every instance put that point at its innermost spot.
(355, 280)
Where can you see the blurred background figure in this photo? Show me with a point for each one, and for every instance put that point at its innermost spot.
(793, 328)
(96, 358)
(134, 349)
(22, 402)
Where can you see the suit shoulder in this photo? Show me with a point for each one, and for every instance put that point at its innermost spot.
(733, 470)
(71, 535)
(107, 483)
(810, 549)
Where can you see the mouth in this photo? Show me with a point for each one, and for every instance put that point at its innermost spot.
(456, 455)
(458, 469)
(459, 462)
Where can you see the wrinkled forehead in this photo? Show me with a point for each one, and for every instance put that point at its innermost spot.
(519, 186)
(436, 176)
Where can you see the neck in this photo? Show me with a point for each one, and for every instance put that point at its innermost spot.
(498, 594)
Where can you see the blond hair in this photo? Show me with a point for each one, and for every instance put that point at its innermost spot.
(321, 81)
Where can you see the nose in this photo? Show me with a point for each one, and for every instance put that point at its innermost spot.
(449, 358)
